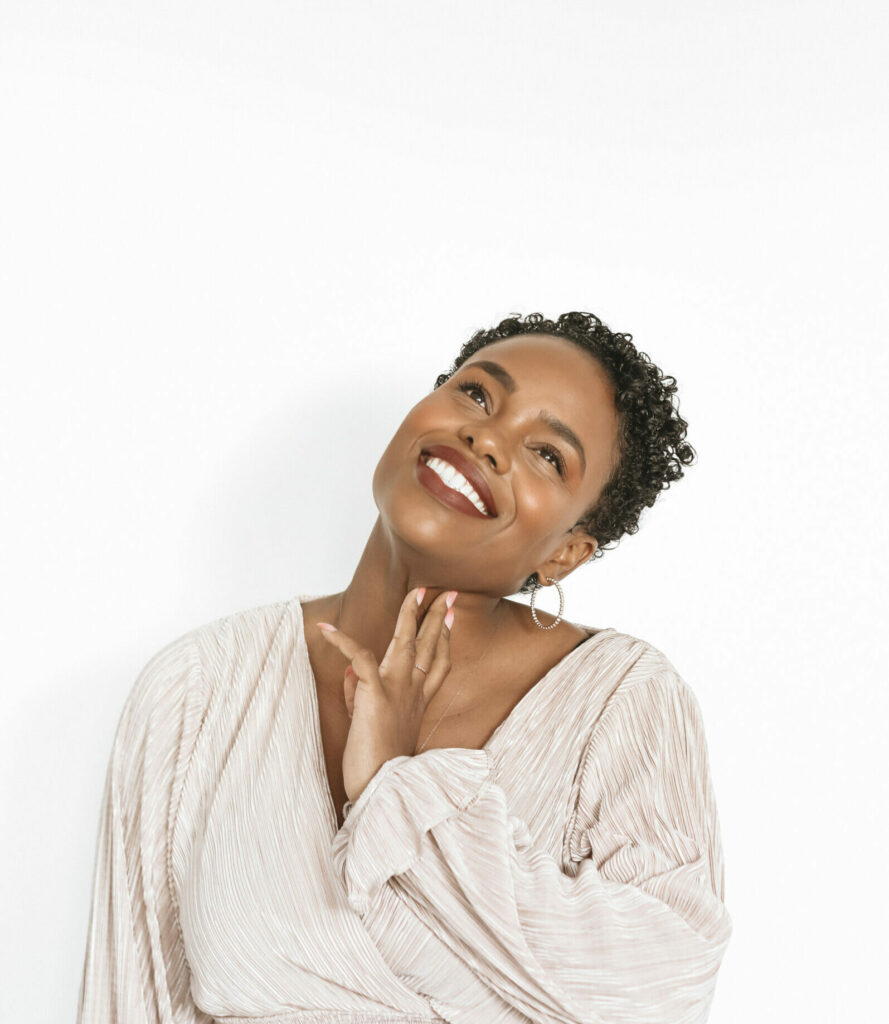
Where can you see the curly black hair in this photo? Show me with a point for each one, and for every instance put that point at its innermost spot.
(651, 434)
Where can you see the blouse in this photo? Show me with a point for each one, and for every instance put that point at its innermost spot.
(569, 871)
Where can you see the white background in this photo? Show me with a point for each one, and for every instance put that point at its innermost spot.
(239, 241)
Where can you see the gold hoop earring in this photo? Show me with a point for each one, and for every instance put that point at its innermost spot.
(552, 625)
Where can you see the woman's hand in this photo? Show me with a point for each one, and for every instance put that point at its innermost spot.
(386, 702)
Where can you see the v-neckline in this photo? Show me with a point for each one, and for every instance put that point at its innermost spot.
(493, 740)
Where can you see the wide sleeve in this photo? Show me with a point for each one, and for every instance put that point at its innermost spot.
(135, 969)
(631, 928)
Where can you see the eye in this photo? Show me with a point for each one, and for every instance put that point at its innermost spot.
(473, 385)
(555, 459)
(558, 461)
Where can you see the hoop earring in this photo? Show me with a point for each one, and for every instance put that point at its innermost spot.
(561, 604)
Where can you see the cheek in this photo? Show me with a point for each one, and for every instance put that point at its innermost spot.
(536, 501)
(415, 421)
(428, 415)
(426, 420)
(541, 510)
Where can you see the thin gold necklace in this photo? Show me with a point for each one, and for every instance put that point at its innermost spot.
(456, 695)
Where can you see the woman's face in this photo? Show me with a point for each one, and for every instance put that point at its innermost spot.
(541, 477)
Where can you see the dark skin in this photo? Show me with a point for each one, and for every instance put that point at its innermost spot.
(496, 652)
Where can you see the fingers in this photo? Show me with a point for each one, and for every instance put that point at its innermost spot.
(430, 631)
(429, 647)
(401, 646)
(434, 643)
(337, 638)
(350, 685)
(363, 660)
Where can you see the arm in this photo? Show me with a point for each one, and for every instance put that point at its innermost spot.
(635, 935)
(135, 970)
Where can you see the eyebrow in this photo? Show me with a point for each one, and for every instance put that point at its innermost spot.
(506, 380)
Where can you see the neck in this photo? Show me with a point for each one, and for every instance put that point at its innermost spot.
(368, 608)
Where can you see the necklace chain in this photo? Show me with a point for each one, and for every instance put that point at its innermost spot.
(438, 723)
(457, 694)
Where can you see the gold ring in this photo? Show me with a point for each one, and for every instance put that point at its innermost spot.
(422, 669)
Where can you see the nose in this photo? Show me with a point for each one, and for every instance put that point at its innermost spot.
(487, 444)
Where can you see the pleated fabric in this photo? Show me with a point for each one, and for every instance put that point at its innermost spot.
(570, 871)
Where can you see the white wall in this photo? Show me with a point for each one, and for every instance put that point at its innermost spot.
(239, 241)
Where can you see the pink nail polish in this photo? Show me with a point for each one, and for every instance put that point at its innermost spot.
(449, 618)
(326, 626)
(420, 593)
(451, 598)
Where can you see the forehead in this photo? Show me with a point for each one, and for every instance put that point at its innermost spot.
(552, 370)
(562, 354)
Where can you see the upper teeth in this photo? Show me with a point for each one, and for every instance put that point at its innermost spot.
(456, 481)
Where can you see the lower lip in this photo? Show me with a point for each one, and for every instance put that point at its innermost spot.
(435, 485)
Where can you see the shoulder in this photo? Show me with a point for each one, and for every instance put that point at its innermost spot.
(640, 657)
(162, 683)
(635, 695)
(245, 636)
(611, 662)
(648, 736)
(194, 685)
(649, 723)
(187, 669)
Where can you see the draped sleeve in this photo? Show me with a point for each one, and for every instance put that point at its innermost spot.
(135, 970)
(630, 927)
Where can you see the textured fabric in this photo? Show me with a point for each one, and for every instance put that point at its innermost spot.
(569, 871)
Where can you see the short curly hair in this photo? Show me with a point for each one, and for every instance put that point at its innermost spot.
(651, 433)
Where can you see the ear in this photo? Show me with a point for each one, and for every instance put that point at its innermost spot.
(566, 559)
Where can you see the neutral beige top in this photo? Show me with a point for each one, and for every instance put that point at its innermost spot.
(570, 871)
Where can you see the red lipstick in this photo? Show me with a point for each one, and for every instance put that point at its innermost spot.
(456, 499)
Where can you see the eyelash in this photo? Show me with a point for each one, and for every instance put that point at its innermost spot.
(474, 385)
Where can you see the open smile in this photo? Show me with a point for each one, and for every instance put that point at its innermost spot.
(450, 486)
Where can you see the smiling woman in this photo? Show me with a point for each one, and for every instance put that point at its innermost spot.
(412, 800)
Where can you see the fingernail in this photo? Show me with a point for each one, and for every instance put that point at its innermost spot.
(326, 626)
(451, 598)
(420, 594)
(449, 618)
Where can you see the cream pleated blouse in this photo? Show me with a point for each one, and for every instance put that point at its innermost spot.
(569, 871)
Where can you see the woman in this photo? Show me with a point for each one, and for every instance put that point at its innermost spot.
(415, 800)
